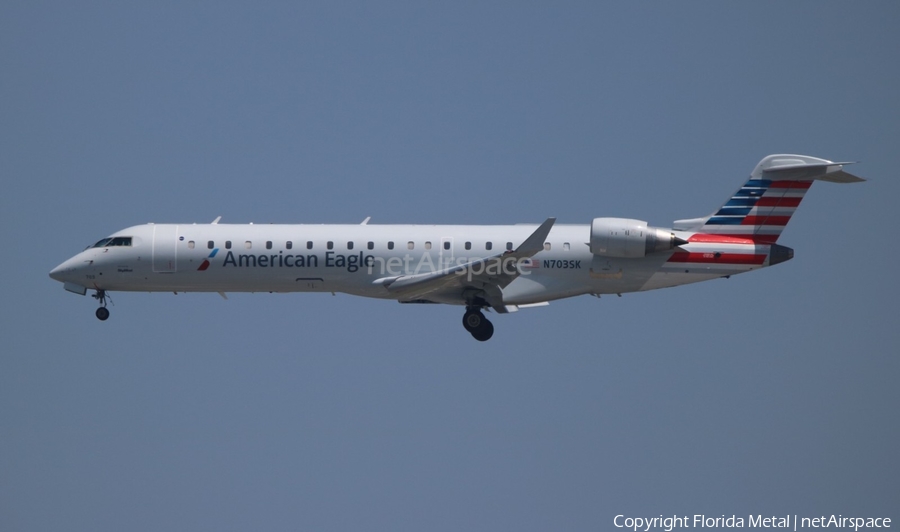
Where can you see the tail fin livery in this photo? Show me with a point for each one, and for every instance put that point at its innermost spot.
(760, 209)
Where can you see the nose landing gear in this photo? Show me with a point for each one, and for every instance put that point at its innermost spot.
(102, 312)
(478, 326)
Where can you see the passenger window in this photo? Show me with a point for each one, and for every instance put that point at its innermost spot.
(370, 245)
(228, 244)
(309, 244)
(248, 244)
(330, 245)
(509, 246)
(410, 245)
(546, 246)
(268, 244)
(566, 246)
(427, 245)
(210, 244)
(488, 245)
(468, 245)
(349, 245)
(447, 244)
(390, 245)
(190, 244)
(288, 245)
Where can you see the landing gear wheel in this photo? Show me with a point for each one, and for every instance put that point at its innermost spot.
(102, 313)
(484, 332)
(472, 320)
(477, 325)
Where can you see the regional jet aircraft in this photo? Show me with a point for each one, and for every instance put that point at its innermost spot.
(498, 267)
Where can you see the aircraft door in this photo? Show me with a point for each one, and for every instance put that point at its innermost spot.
(165, 248)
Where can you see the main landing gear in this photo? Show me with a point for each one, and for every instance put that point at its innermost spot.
(479, 326)
(102, 312)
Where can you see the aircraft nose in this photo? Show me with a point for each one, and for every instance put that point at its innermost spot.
(56, 273)
(62, 272)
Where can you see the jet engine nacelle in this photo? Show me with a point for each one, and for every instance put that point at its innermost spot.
(626, 238)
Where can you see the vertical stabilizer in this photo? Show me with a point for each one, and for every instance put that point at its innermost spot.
(761, 208)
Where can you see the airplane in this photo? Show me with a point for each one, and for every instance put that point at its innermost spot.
(502, 268)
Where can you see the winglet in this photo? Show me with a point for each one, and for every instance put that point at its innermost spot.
(535, 243)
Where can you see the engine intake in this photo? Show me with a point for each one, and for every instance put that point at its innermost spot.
(627, 238)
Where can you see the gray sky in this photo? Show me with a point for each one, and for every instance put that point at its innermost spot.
(773, 392)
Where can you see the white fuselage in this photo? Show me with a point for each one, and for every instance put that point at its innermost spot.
(351, 258)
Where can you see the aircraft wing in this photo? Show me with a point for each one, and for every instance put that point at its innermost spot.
(484, 277)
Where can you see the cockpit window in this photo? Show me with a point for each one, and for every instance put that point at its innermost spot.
(114, 241)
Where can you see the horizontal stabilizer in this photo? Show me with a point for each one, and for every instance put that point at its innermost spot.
(841, 176)
(803, 168)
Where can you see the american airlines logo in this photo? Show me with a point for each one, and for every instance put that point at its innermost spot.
(205, 264)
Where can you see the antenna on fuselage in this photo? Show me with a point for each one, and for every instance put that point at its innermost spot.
(214, 222)
(366, 221)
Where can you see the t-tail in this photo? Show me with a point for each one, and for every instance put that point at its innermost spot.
(758, 212)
